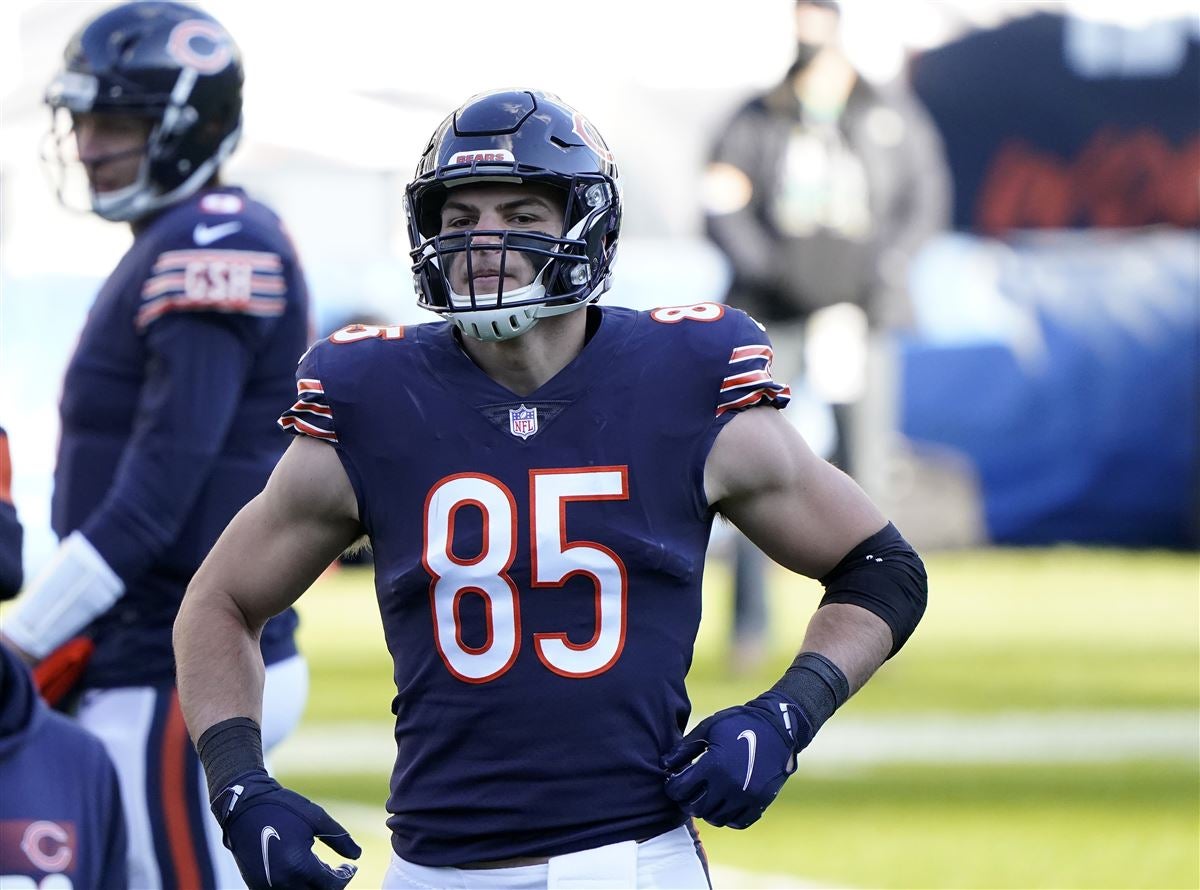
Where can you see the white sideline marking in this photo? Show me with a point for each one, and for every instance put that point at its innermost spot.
(848, 743)
(1058, 737)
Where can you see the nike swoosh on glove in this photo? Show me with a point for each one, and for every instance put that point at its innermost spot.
(729, 768)
(270, 831)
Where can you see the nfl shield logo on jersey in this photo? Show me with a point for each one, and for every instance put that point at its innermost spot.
(522, 421)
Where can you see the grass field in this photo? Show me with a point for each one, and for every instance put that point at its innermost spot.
(1010, 637)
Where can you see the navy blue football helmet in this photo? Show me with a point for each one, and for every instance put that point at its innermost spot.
(174, 66)
(516, 136)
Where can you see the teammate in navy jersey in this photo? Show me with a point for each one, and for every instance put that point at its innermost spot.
(168, 408)
(538, 477)
(60, 813)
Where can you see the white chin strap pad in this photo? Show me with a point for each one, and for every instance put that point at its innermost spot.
(76, 587)
(493, 325)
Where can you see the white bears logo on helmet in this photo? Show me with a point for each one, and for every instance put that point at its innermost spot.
(584, 129)
(491, 156)
(213, 52)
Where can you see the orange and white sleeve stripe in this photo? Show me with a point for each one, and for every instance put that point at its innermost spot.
(312, 414)
(749, 381)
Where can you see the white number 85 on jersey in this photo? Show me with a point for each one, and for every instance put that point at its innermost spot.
(554, 560)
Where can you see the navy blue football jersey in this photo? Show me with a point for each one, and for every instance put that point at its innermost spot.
(168, 413)
(61, 823)
(538, 564)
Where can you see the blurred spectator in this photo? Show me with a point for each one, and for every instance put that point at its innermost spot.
(819, 192)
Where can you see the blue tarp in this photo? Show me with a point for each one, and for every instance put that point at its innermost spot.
(1069, 375)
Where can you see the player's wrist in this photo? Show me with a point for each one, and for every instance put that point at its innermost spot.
(816, 687)
(785, 717)
(229, 751)
(75, 587)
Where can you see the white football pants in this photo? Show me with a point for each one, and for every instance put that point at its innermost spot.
(670, 861)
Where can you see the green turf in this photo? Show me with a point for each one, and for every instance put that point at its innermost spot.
(1093, 826)
(1007, 630)
(999, 826)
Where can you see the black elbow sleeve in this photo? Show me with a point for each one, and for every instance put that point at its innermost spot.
(885, 576)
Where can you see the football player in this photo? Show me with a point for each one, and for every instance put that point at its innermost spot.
(538, 477)
(168, 408)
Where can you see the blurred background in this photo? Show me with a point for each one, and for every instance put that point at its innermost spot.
(1031, 420)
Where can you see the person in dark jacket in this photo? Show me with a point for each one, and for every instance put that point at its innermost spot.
(61, 822)
(818, 192)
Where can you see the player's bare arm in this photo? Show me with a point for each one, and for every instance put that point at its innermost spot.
(268, 556)
(813, 519)
(806, 515)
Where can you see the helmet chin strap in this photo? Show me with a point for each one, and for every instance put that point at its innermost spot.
(501, 322)
(117, 205)
(494, 325)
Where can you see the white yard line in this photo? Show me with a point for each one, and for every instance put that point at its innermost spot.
(1058, 737)
(850, 743)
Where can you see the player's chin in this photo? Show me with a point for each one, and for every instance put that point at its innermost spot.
(103, 181)
(489, 285)
(486, 285)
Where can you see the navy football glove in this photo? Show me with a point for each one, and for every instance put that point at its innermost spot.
(270, 831)
(730, 767)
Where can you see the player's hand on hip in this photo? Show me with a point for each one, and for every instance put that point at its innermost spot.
(270, 831)
(730, 767)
